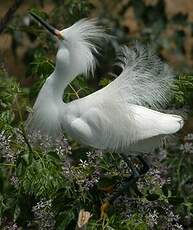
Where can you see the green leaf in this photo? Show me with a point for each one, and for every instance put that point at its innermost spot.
(165, 189)
(53, 155)
(106, 182)
(152, 197)
(7, 116)
(104, 82)
(174, 200)
(17, 212)
(63, 219)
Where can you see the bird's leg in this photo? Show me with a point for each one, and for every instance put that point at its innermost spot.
(130, 181)
(145, 167)
(134, 170)
(136, 173)
(123, 187)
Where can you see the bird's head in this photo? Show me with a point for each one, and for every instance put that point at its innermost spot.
(77, 44)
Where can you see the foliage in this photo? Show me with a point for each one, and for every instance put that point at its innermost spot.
(183, 91)
(45, 185)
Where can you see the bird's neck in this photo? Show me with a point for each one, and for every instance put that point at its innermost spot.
(59, 80)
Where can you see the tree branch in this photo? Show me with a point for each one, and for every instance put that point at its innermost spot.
(9, 14)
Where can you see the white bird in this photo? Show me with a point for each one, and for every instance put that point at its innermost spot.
(116, 117)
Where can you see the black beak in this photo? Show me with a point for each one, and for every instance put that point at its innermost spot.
(50, 28)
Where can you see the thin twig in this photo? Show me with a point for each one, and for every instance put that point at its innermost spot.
(3, 23)
(9, 14)
(22, 132)
(26, 140)
(73, 89)
(6, 164)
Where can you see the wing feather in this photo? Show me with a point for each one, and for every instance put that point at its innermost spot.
(124, 121)
(145, 79)
(116, 127)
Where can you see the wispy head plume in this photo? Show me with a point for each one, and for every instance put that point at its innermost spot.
(84, 39)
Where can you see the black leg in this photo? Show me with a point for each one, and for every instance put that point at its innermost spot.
(128, 184)
(134, 170)
(132, 179)
(145, 167)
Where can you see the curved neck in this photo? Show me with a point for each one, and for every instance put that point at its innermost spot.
(60, 79)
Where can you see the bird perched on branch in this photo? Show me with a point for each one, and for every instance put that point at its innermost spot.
(116, 117)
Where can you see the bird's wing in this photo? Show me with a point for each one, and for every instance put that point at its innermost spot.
(152, 127)
(145, 80)
(112, 120)
(108, 123)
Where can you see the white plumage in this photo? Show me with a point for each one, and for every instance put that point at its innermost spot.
(116, 117)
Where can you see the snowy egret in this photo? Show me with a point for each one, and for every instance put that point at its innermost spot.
(117, 117)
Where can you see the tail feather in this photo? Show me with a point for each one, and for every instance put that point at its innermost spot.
(172, 123)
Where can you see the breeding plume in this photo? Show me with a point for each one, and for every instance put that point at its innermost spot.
(117, 117)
